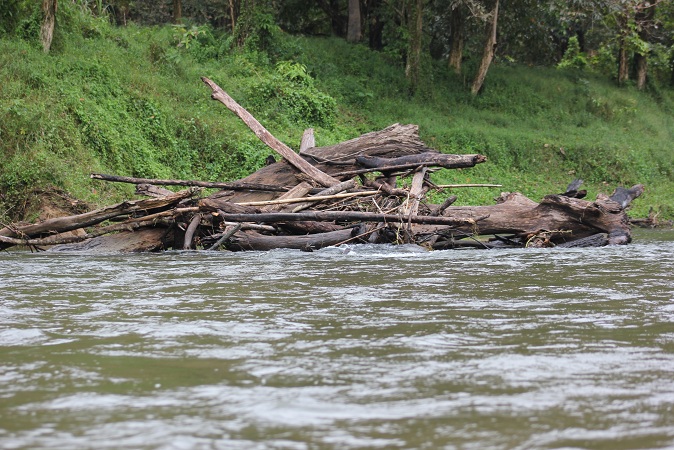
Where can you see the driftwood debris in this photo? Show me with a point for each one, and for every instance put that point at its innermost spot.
(373, 188)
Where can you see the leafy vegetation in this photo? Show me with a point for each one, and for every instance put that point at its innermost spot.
(129, 101)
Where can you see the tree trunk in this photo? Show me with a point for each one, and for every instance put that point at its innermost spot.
(623, 60)
(456, 40)
(354, 29)
(177, 11)
(413, 67)
(489, 49)
(233, 15)
(49, 8)
(644, 19)
(375, 25)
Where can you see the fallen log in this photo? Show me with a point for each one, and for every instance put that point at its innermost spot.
(349, 216)
(250, 241)
(69, 223)
(236, 186)
(265, 136)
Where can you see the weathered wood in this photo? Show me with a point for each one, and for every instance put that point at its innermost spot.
(347, 216)
(69, 223)
(226, 235)
(315, 198)
(468, 185)
(572, 218)
(150, 190)
(429, 159)
(252, 241)
(386, 188)
(218, 204)
(457, 162)
(308, 140)
(300, 190)
(143, 240)
(265, 136)
(191, 229)
(393, 141)
(449, 201)
(236, 186)
(416, 193)
(333, 190)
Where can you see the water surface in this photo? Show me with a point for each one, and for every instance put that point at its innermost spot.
(351, 347)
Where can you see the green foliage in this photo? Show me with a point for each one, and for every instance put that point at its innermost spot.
(573, 57)
(129, 101)
(290, 92)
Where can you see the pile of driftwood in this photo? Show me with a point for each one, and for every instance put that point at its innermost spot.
(325, 196)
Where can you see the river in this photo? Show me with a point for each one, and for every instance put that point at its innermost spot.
(344, 348)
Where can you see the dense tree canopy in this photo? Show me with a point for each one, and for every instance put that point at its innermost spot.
(626, 40)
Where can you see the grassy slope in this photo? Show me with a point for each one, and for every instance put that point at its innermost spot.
(127, 101)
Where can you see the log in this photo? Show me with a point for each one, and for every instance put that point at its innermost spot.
(150, 190)
(416, 193)
(333, 190)
(571, 218)
(69, 223)
(428, 159)
(308, 140)
(348, 216)
(226, 235)
(189, 234)
(460, 161)
(236, 186)
(250, 241)
(265, 136)
(391, 142)
(300, 190)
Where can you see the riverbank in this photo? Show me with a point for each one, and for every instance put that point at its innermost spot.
(129, 101)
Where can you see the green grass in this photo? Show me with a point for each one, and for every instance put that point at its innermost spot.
(129, 101)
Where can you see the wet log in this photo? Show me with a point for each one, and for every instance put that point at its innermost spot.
(309, 227)
(254, 241)
(69, 223)
(569, 218)
(143, 240)
(265, 136)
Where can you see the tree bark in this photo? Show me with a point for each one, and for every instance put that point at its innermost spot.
(70, 223)
(456, 39)
(259, 242)
(354, 33)
(177, 11)
(567, 219)
(266, 137)
(413, 67)
(489, 50)
(645, 22)
(49, 8)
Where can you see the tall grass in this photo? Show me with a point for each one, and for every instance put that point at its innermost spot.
(130, 101)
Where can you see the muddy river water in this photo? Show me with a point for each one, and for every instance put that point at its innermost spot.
(344, 348)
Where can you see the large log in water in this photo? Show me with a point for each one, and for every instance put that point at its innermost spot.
(557, 218)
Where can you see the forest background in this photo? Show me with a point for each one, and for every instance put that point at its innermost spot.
(549, 90)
